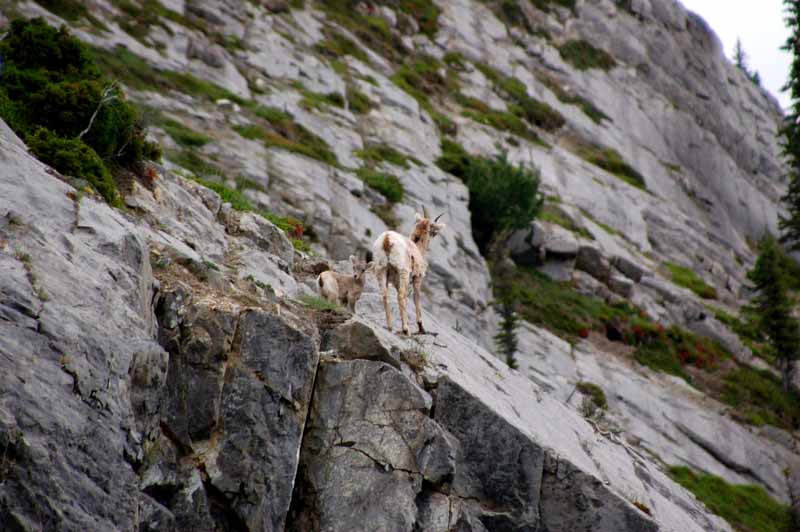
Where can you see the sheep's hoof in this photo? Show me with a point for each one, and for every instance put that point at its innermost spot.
(421, 328)
(405, 331)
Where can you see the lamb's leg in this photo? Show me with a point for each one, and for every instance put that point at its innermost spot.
(402, 295)
(417, 309)
(383, 285)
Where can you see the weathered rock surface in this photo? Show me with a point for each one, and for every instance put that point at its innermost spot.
(115, 416)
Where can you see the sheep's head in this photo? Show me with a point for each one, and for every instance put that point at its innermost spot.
(425, 229)
(360, 268)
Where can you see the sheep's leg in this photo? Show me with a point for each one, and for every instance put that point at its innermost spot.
(402, 296)
(383, 285)
(417, 309)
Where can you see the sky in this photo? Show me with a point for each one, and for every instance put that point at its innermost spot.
(760, 25)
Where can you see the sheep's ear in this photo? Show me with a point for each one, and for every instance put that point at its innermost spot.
(370, 266)
(353, 259)
(439, 227)
(419, 217)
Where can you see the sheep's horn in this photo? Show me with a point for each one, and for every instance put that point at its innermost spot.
(437, 218)
(425, 212)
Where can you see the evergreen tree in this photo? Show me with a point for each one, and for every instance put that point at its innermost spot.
(774, 307)
(739, 57)
(790, 225)
(740, 60)
(506, 338)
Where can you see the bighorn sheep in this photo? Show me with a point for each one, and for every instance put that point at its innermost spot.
(342, 289)
(398, 259)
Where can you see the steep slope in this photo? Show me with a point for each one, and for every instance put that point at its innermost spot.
(245, 410)
(302, 97)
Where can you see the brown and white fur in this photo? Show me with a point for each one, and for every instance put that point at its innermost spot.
(343, 289)
(398, 260)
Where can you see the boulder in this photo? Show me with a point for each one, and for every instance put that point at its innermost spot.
(591, 260)
(621, 285)
(628, 268)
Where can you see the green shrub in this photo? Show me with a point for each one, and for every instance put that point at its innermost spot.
(454, 159)
(49, 80)
(502, 197)
(687, 278)
(387, 184)
(759, 398)
(595, 392)
(190, 160)
(318, 101)
(371, 30)
(745, 507)
(583, 56)
(73, 157)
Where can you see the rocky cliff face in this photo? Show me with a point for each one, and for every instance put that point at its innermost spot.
(158, 373)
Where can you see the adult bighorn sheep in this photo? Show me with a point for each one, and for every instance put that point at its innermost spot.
(398, 259)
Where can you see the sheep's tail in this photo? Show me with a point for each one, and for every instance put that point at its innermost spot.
(381, 250)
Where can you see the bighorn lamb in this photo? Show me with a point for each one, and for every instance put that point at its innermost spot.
(397, 259)
(342, 289)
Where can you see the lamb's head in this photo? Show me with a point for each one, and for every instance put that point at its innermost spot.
(360, 269)
(425, 229)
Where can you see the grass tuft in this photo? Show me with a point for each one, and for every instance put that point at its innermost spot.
(745, 507)
(583, 56)
(687, 278)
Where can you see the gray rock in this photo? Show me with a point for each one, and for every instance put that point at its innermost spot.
(620, 285)
(368, 446)
(591, 260)
(628, 268)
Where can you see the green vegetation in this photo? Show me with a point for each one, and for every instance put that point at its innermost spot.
(421, 78)
(595, 392)
(53, 96)
(500, 120)
(184, 135)
(315, 101)
(190, 160)
(358, 102)
(759, 399)
(378, 153)
(69, 10)
(293, 228)
(790, 132)
(547, 5)
(506, 338)
(72, 157)
(746, 507)
(554, 214)
(584, 56)
(610, 161)
(502, 197)
(337, 45)
(372, 30)
(687, 278)
(523, 105)
(774, 305)
(138, 74)
(454, 159)
(588, 108)
(317, 303)
(282, 131)
(387, 184)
